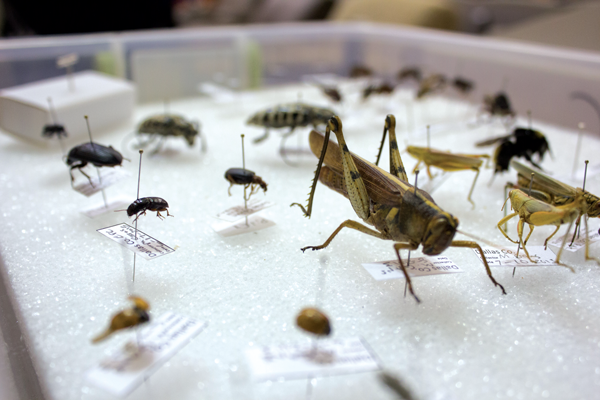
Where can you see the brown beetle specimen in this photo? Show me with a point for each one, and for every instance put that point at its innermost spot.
(313, 321)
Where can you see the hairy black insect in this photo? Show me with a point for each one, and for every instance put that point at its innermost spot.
(94, 153)
(169, 125)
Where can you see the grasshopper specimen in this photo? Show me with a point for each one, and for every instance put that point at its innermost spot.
(447, 161)
(398, 210)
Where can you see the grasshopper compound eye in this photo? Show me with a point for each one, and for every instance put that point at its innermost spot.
(313, 321)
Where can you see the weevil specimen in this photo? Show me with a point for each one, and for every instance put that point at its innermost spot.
(94, 153)
(432, 84)
(163, 126)
(291, 116)
(398, 210)
(522, 142)
(446, 161)
(382, 88)
(314, 321)
(245, 177)
(140, 206)
(128, 318)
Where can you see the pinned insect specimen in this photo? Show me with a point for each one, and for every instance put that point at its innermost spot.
(128, 318)
(332, 93)
(463, 85)
(93, 153)
(162, 126)
(360, 71)
(54, 129)
(245, 177)
(398, 210)
(314, 321)
(498, 105)
(410, 73)
(432, 84)
(448, 162)
(140, 206)
(522, 142)
(382, 88)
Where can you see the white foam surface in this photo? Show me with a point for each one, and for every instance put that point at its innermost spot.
(464, 341)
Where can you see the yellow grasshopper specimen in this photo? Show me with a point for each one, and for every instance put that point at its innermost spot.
(448, 162)
(535, 212)
(398, 210)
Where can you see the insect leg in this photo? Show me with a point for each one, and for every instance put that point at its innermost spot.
(472, 188)
(504, 221)
(473, 245)
(406, 246)
(396, 165)
(158, 214)
(261, 138)
(168, 215)
(282, 151)
(587, 242)
(86, 175)
(347, 224)
(531, 231)
(520, 234)
(385, 129)
(229, 189)
(549, 237)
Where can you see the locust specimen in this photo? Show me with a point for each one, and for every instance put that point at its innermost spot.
(398, 210)
(446, 161)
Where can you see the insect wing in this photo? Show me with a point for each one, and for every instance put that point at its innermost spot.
(540, 178)
(491, 141)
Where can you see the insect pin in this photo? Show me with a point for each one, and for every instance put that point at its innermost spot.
(522, 142)
(128, 318)
(313, 321)
(245, 177)
(162, 126)
(397, 210)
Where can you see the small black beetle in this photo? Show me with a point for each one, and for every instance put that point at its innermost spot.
(144, 204)
(240, 176)
(51, 130)
(97, 154)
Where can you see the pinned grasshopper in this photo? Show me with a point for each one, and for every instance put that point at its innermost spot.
(398, 210)
(446, 161)
(561, 204)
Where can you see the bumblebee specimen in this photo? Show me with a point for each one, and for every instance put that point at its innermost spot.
(128, 318)
(463, 85)
(291, 116)
(54, 130)
(398, 210)
(410, 73)
(168, 125)
(94, 153)
(522, 142)
(432, 84)
(498, 105)
(245, 177)
(382, 88)
(314, 321)
(140, 206)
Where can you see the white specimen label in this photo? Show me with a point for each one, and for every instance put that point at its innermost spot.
(508, 257)
(122, 372)
(107, 178)
(330, 357)
(142, 244)
(578, 243)
(420, 266)
(234, 214)
(255, 223)
(111, 205)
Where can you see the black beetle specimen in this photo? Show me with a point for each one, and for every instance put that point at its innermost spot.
(166, 125)
(94, 153)
(410, 73)
(463, 85)
(384, 88)
(245, 177)
(522, 142)
(140, 206)
(54, 130)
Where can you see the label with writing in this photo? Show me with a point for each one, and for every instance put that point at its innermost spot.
(234, 214)
(578, 243)
(111, 205)
(255, 223)
(508, 257)
(107, 178)
(418, 266)
(142, 244)
(125, 370)
(328, 357)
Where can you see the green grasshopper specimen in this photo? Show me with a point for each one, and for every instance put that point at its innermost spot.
(398, 210)
(448, 162)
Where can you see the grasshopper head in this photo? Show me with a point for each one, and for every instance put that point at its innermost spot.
(439, 234)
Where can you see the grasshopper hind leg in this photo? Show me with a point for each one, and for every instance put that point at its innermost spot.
(346, 224)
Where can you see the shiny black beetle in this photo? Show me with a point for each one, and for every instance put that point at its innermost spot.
(140, 206)
(94, 153)
(245, 177)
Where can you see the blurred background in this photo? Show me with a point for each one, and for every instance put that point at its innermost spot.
(569, 23)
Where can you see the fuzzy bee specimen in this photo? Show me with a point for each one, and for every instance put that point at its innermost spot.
(161, 126)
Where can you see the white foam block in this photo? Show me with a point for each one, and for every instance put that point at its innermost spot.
(24, 109)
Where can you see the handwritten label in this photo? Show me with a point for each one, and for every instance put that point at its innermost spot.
(255, 223)
(420, 266)
(111, 205)
(142, 244)
(67, 60)
(299, 361)
(122, 372)
(107, 178)
(508, 257)
(578, 243)
(234, 214)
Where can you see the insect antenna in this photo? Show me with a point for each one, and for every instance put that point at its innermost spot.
(385, 129)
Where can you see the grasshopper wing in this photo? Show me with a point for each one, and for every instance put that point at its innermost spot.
(491, 141)
(543, 181)
(383, 187)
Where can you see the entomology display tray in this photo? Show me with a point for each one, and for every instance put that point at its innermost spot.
(464, 341)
